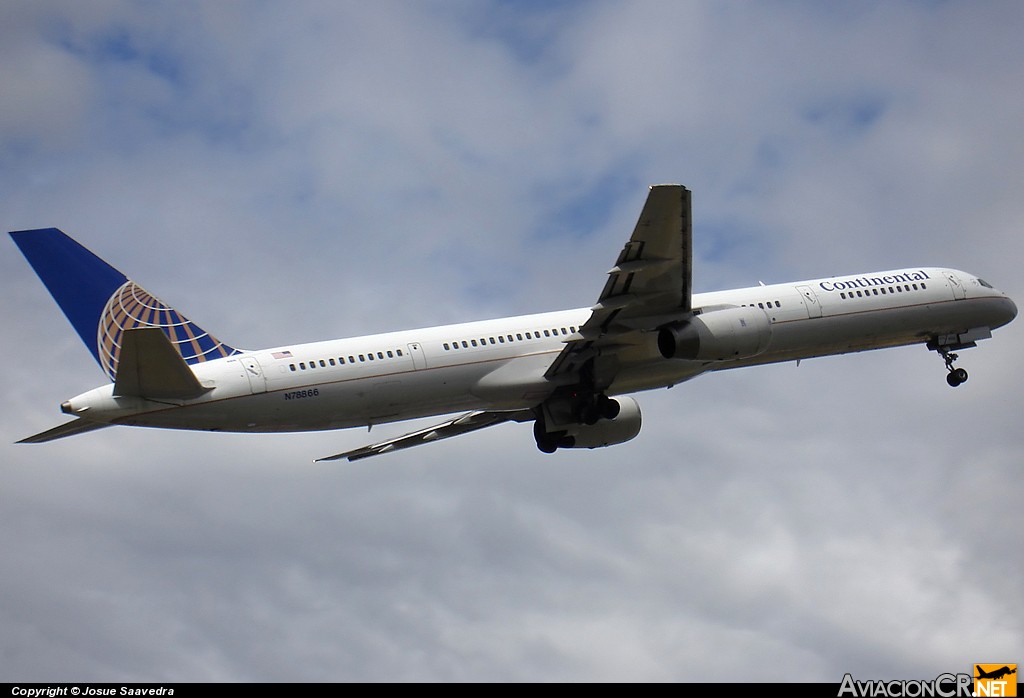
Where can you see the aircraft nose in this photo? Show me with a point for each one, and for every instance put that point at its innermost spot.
(1011, 309)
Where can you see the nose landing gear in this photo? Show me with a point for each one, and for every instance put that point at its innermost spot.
(946, 343)
(956, 376)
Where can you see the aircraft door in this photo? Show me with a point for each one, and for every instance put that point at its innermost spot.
(254, 372)
(955, 285)
(810, 301)
(419, 359)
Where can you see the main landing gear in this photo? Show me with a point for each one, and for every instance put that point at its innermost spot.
(945, 344)
(956, 376)
(575, 409)
(548, 442)
(597, 408)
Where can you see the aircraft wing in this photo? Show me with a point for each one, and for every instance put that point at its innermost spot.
(471, 421)
(649, 285)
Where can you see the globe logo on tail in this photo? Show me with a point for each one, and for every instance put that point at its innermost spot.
(130, 307)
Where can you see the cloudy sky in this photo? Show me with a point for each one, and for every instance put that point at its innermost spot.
(287, 172)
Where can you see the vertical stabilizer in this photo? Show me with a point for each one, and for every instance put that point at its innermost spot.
(102, 304)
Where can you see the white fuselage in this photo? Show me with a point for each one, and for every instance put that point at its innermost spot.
(500, 364)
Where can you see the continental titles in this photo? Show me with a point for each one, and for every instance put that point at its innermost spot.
(870, 281)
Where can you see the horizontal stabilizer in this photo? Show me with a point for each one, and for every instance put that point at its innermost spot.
(150, 367)
(77, 426)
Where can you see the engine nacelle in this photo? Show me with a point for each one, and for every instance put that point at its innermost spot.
(607, 432)
(717, 335)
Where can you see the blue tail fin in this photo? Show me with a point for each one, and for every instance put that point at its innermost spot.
(102, 303)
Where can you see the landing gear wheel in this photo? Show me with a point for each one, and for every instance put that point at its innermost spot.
(956, 377)
(602, 407)
(609, 408)
(546, 443)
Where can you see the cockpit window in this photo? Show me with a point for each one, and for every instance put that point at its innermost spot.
(985, 283)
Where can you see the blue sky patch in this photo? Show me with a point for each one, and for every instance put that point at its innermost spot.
(581, 212)
(527, 29)
(846, 116)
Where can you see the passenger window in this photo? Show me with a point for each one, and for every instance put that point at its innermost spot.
(302, 365)
(473, 342)
(291, 366)
(391, 355)
(351, 359)
(446, 346)
(380, 355)
(331, 361)
(399, 351)
(323, 364)
(519, 336)
(362, 358)
(492, 340)
(501, 339)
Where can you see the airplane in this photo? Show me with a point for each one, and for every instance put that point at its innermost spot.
(570, 372)
(995, 674)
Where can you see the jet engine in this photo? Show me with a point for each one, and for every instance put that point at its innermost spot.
(717, 335)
